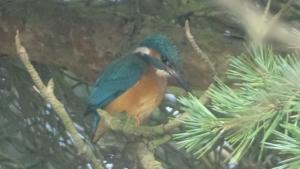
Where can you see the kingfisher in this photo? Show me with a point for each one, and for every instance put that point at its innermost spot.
(136, 83)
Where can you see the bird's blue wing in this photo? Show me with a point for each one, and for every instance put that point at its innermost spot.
(116, 79)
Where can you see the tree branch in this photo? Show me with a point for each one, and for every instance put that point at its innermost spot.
(146, 157)
(196, 47)
(46, 91)
(125, 124)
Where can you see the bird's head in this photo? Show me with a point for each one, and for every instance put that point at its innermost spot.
(163, 55)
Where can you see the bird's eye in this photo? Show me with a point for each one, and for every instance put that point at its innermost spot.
(165, 60)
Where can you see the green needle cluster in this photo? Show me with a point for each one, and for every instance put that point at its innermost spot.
(263, 94)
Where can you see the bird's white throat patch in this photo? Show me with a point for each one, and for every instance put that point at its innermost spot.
(143, 50)
(162, 73)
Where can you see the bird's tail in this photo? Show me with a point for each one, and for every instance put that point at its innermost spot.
(98, 126)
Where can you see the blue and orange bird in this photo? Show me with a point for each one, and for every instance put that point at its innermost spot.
(136, 83)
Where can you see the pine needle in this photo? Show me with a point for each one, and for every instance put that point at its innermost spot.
(265, 95)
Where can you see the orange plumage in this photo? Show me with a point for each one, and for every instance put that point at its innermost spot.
(139, 100)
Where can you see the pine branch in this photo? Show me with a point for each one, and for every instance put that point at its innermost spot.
(265, 94)
(46, 91)
(200, 124)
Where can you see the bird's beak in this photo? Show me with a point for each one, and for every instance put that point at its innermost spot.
(179, 79)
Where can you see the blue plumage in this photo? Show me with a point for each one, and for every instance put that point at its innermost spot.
(116, 79)
(162, 45)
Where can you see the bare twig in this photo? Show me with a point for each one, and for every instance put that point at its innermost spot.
(46, 91)
(196, 47)
(261, 25)
(274, 19)
(266, 12)
(282, 10)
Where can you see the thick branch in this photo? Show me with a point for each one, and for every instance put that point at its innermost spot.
(153, 144)
(146, 157)
(47, 93)
(127, 125)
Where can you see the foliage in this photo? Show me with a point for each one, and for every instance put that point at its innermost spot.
(263, 95)
(288, 145)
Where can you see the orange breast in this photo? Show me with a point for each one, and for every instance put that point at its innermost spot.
(142, 98)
